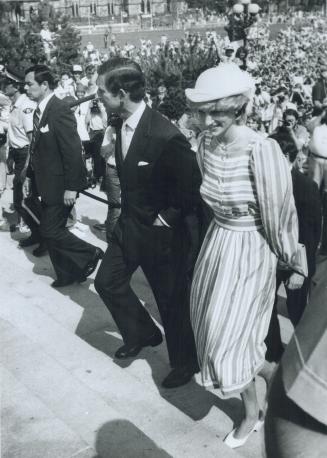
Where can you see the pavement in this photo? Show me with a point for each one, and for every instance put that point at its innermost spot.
(64, 394)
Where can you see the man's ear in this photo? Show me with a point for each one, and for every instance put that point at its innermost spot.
(122, 94)
(45, 84)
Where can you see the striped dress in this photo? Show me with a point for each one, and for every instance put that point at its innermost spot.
(248, 186)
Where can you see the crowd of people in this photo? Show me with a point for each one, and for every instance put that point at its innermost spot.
(216, 184)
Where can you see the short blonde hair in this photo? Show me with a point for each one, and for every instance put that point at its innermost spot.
(232, 103)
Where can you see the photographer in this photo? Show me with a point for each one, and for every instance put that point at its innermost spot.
(96, 121)
(291, 131)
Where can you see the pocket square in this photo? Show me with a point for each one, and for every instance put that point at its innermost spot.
(142, 163)
(44, 129)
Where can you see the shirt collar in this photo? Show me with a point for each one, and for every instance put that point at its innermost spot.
(134, 119)
(44, 102)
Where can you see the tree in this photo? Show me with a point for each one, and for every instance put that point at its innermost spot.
(68, 43)
(20, 48)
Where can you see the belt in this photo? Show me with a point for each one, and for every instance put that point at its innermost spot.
(318, 155)
(111, 166)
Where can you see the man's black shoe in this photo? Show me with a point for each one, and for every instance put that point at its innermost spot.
(59, 283)
(41, 250)
(31, 240)
(178, 377)
(91, 265)
(129, 351)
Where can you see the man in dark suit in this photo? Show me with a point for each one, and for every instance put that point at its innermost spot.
(308, 206)
(160, 183)
(56, 169)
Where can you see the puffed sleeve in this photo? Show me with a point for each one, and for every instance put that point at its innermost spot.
(273, 182)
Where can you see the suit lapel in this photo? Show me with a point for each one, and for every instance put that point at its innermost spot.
(44, 117)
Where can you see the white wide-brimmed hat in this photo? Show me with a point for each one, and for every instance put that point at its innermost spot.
(219, 82)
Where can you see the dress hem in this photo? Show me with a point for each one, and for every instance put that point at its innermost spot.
(234, 389)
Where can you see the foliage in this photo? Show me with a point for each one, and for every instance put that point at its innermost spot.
(177, 69)
(68, 42)
(22, 47)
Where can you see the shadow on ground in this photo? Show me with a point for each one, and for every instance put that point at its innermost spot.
(120, 438)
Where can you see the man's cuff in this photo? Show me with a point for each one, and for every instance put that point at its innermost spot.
(163, 221)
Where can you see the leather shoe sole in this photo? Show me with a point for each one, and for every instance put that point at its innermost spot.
(92, 265)
(178, 377)
(129, 351)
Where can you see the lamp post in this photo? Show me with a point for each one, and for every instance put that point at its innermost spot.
(243, 16)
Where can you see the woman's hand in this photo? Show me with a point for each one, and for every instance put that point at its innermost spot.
(295, 281)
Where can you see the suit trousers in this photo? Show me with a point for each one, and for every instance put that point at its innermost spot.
(19, 156)
(296, 301)
(167, 276)
(69, 254)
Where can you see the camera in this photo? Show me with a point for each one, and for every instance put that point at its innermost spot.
(95, 107)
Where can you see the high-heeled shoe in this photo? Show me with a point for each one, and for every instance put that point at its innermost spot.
(234, 442)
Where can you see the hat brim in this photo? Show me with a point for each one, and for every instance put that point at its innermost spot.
(196, 96)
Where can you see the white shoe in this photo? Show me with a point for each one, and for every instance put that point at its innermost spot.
(234, 442)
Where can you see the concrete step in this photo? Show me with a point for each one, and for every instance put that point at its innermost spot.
(58, 355)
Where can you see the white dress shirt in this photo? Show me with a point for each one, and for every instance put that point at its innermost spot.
(127, 132)
(42, 105)
(129, 126)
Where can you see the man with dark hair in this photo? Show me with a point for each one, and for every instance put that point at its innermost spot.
(20, 127)
(56, 168)
(160, 184)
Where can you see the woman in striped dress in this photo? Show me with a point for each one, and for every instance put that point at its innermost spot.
(247, 184)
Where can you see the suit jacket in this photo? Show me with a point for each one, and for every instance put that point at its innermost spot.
(308, 206)
(57, 161)
(159, 176)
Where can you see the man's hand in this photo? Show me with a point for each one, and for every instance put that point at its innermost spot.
(27, 188)
(69, 198)
(295, 281)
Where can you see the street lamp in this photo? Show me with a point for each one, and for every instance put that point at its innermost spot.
(243, 16)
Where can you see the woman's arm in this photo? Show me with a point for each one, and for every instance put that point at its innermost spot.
(274, 188)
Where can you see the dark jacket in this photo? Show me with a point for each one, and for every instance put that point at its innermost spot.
(308, 206)
(159, 176)
(56, 161)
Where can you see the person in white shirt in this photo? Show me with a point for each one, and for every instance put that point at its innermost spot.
(65, 87)
(20, 127)
(96, 120)
(110, 183)
(89, 80)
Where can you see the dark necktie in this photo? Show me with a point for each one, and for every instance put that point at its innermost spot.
(118, 148)
(36, 122)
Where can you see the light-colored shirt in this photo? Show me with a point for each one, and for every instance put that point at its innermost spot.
(109, 141)
(129, 126)
(80, 114)
(42, 105)
(20, 122)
